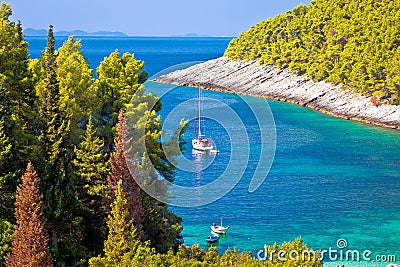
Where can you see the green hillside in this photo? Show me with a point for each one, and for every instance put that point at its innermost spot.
(353, 42)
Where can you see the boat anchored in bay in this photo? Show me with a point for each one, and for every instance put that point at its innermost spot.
(219, 229)
(200, 142)
(212, 239)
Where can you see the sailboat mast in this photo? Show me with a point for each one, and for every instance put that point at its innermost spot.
(199, 111)
(195, 120)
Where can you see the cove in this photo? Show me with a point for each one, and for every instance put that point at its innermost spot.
(330, 179)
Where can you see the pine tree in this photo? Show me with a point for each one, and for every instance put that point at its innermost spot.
(25, 102)
(121, 239)
(78, 89)
(20, 77)
(16, 115)
(91, 161)
(161, 227)
(120, 171)
(119, 79)
(92, 167)
(62, 207)
(147, 156)
(31, 241)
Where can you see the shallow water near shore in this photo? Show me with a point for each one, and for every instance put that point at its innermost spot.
(331, 179)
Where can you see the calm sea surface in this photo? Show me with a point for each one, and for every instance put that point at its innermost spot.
(330, 179)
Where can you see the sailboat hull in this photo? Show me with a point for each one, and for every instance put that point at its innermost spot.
(203, 144)
(219, 229)
(200, 142)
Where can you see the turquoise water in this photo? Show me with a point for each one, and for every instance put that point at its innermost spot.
(330, 178)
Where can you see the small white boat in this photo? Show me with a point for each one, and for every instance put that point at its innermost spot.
(200, 142)
(219, 229)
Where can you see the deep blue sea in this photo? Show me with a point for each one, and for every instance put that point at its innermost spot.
(330, 179)
(158, 53)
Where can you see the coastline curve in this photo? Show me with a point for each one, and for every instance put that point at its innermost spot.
(251, 79)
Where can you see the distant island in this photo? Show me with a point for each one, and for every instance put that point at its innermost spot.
(192, 35)
(189, 35)
(43, 32)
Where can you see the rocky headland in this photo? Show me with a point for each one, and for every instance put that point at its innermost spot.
(253, 79)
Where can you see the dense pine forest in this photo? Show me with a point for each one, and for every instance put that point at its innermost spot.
(355, 43)
(67, 195)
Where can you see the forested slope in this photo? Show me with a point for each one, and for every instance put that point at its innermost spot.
(354, 43)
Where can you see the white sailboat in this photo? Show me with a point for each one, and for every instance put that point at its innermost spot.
(219, 229)
(200, 142)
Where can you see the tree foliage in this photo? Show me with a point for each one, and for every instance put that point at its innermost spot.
(62, 208)
(91, 168)
(6, 239)
(78, 90)
(119, 79)
(122, 237)
(18, 119)
(8, 180)
(142, 255)
(355, 43)
(151, 158)
(31, 241)
(14, 62)
(91, 162)
(121, 172)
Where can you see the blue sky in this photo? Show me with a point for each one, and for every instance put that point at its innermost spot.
(150, 17)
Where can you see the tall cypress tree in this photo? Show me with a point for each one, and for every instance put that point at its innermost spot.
(120, 171)
(52, 97)
(31, 241)
(62, 207)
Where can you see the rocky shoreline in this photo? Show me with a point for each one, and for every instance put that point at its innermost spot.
(250, 78)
